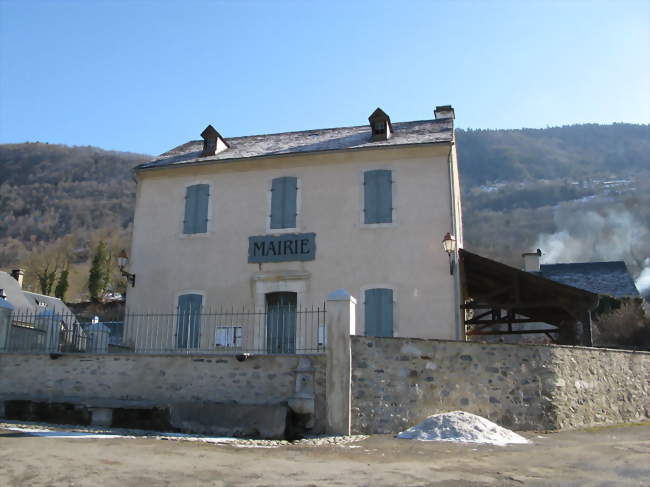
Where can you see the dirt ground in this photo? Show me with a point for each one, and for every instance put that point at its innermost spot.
(596, 457)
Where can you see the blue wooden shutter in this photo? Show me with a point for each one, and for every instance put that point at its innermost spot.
(378, 312)
(289, 207)
(369, 197)
(385, 196)
(202, 201)
(189, 320)
(378, 196)
(283, 202)
(190, 210)
(196, 208)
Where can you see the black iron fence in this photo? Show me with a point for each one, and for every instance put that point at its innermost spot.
(276, 330)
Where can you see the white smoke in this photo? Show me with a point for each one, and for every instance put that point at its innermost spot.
(612, 234)
(643, 281)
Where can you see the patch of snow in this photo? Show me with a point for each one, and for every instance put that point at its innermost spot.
(64, 434)
(62, 431)
(461, 427)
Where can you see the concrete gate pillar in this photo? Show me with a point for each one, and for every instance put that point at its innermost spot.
(6, 308)
(341, 312)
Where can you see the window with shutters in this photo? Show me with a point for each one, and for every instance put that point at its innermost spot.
(283, 213)
(188, 320)
(378, 196)
(378, 312)
(197, 203)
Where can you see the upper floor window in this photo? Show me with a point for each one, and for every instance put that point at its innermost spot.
(378, 312)
(378, 196)
(197, 199)
(284, 192)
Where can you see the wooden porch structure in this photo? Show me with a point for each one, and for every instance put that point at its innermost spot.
(502, 300)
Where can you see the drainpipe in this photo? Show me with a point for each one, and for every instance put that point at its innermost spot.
(452, 206)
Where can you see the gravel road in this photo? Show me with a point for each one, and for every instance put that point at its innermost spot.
(595, 457)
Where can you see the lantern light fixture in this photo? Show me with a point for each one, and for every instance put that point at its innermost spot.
(449, 246)
(122, 262)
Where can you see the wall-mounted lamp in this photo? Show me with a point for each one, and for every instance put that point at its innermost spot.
(123, 261)
(449, 245)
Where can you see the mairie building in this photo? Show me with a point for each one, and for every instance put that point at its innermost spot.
(285, 219)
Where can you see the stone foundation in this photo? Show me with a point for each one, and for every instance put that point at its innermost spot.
(216, 394)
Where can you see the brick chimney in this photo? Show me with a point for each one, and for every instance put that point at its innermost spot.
(531, 261)
(18, 274)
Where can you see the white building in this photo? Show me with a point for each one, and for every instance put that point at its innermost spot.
(284, 219)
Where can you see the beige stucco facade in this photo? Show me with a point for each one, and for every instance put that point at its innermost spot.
(405, 255)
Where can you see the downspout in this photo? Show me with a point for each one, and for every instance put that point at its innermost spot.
(452, 202)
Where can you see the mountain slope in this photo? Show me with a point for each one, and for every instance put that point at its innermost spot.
(517, 186)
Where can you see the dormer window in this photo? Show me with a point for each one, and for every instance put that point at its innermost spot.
(380, 125)
(213, 142)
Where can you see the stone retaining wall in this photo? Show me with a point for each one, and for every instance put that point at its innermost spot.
(600, 386)
(160, 380)
(397, 382)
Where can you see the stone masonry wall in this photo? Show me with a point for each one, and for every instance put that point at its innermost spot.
(158, 379)
(397, 382)
(600, 386)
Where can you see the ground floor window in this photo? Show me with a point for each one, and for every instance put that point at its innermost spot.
(281, 322)
(188, 321)
(378, 312)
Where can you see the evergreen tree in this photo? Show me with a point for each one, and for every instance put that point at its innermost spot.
(62, 284)
(100, 274)
(46, 280)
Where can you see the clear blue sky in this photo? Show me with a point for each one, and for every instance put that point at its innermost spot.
(145, 76)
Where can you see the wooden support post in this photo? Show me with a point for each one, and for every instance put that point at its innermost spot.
(587, 338)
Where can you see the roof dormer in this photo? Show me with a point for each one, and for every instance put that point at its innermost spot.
(380, 125)
(213, 142)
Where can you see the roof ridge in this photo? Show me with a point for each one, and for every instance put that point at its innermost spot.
(325, 129)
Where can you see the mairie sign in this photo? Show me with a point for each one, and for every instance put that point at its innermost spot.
(282, 248)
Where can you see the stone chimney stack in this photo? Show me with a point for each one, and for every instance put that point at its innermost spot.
(444, 111)
(531, 261)
(18, 274)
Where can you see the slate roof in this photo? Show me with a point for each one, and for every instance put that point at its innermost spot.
(51, 304)
(609, 278)
(404, 133)
(28, 302)
(15, 294)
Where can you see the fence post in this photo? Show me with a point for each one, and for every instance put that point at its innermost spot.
(6, 309)
(341, 309)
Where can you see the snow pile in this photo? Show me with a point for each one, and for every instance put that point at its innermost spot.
(462, 427)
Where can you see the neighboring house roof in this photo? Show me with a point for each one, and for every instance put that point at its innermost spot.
(15, 295)
(609, 278)
(404, 133)
(33, 303)
(51, 304)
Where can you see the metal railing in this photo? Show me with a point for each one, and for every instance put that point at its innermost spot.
(273, 330)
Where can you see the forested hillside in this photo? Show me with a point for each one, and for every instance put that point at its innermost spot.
(57, 202)
(580, 191)
(574, 152)
(48, 191)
